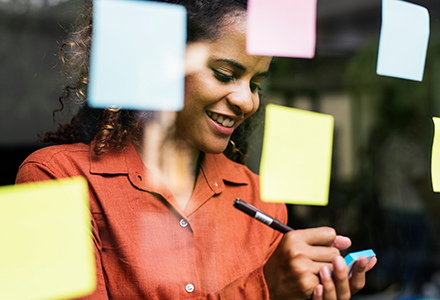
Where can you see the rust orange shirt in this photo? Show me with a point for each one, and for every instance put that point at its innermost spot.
(146, 247)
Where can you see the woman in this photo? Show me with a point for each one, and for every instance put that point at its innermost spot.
(162, 236)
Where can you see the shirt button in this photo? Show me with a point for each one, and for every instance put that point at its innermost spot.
(183, 223)
(189, 288)
(216, 184)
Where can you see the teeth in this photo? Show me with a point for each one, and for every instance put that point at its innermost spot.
(224, 121)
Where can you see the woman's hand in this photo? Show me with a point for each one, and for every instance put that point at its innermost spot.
(340, 286)
(301, 267)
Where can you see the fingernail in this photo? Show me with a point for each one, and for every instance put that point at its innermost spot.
(319, 290)
(339, 263)
(325, 273)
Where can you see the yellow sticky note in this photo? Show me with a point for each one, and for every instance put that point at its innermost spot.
(435, 160)
(46, 246)
(296, 160)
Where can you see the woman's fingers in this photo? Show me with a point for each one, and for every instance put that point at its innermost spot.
(302, 264)
(341, 279)
(336, 286)
(371, 264)
(329, 288)
(322, 255)
(357, 280)
(342, 242)
(318, 292)
(312, 243)
(321, 236)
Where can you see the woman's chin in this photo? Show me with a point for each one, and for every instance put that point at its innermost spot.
(214, 149)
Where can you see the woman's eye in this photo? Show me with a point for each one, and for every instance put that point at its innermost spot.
(254, 87)
(222, 77)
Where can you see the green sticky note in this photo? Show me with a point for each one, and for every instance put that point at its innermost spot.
(435, 160)
(296, 160)
(45, 233)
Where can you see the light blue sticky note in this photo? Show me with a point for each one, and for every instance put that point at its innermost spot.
(138, 55)
(351, 258)
(403, 40)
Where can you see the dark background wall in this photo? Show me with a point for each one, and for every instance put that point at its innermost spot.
(30, 81)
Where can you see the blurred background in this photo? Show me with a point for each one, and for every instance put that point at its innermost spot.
(381, 194)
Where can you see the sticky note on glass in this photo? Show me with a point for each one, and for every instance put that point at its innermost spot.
(352, 258)
(47, 250)
(403, 40)
(296, 159)
(137, 55)
(284, 28)
(435, 159)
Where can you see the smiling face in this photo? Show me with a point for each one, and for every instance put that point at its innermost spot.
(219, 97)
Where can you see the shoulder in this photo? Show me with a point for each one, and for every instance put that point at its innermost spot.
(48, 155)
(60, 154)
(54, 162)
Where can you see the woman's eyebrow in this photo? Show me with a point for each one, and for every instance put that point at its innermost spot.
(240, 66)
(232, 62)
(262, 74)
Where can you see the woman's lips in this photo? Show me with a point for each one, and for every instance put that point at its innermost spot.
(221, 123)
(221, 119)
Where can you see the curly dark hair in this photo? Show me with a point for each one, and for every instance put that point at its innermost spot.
(111, 127)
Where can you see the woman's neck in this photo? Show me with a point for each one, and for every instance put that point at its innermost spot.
(171, 158)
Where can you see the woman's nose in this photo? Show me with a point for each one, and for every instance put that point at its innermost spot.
(242, 99)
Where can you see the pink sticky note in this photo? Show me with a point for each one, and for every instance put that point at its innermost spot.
(282, 28)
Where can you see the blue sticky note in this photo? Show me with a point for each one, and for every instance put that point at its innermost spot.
(403, 40)
(137, 55)
(351, 258)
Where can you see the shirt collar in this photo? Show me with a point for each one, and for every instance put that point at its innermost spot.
(112, 162)
(126, 162)
(217, 169)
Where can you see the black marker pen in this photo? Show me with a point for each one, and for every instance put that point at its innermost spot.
(261, 216)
